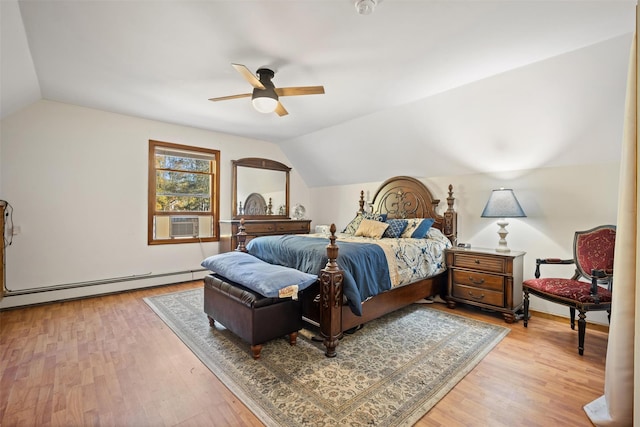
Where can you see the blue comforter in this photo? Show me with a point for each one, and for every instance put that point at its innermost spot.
(365, 267)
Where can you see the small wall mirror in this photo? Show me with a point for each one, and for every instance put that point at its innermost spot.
(260, 189)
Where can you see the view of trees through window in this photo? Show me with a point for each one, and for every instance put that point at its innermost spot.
(183, 199)
(182, 183)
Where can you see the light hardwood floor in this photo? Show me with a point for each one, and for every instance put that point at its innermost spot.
(111, 361)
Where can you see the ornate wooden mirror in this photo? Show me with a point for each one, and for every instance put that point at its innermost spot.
(260, 189)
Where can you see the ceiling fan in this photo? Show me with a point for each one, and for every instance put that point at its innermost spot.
(265, 96)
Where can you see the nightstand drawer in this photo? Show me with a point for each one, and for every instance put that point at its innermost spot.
(475, 294)
(479, 262)
(478, 280)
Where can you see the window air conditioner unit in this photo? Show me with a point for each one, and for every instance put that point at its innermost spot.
(183, 227)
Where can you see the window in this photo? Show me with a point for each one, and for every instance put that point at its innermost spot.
(183, 194)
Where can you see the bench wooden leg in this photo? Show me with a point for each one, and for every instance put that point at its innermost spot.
(256, 350)
(293, 337)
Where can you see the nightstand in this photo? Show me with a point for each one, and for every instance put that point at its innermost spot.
(485, 278)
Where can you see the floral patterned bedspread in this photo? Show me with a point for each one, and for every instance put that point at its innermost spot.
(409, 259)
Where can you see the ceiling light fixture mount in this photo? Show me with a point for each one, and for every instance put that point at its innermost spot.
(265, 100)
(366, 7)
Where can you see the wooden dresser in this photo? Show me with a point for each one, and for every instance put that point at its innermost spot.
(259, 227)
(486, 278)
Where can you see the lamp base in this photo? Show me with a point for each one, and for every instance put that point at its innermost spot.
(502, 232)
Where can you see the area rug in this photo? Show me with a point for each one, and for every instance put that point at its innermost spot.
(389, 373)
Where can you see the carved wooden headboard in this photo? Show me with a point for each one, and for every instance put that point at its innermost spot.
(406, 197)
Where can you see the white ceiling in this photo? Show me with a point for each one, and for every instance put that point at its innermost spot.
(162, 60)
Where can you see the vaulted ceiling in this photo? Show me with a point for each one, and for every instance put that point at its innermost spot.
(423, 88)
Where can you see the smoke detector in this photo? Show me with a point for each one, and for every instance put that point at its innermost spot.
(366, 7)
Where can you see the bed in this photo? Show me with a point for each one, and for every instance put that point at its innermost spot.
(329, 304)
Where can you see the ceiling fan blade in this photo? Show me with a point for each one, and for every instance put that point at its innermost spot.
(301, 90)
(248, 76)
(280, 110)
(224, 98)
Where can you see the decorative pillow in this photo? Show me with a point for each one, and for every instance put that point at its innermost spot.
(371, 228)
(375, 216)
(396, 227)
(435, 234)
(257, 275)
(352, 227)
(417, 228)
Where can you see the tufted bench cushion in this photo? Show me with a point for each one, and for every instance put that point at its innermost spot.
(251, 316)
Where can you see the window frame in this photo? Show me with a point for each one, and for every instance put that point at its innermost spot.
(151, 196)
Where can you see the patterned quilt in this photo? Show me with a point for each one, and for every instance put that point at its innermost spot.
(370, 266)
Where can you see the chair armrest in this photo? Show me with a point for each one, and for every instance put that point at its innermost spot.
(540, 261)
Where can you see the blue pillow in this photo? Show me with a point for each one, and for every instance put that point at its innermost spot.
(396, 227)
(257, 275)
(382, 217)
(423, 228)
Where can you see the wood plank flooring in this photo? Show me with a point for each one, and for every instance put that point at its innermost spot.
(110, 361)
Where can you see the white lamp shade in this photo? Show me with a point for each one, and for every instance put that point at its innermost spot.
(503, 204)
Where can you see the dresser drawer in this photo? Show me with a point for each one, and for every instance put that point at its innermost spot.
(479, 280)
(293, 227)
(474, 294)
(480, 262)
(260, 228)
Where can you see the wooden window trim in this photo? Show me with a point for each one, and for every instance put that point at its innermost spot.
(151, 195)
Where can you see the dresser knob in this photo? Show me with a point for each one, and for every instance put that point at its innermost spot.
(477, 261)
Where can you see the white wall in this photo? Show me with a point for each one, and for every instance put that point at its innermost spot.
(558, 201)
(77, 181)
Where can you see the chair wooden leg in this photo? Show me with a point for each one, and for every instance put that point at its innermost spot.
(525, 320)
(582, 326)
(572, 316)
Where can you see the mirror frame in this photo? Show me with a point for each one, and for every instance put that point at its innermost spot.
(258, 163)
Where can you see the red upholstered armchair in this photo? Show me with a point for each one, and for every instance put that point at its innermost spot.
(593, 256)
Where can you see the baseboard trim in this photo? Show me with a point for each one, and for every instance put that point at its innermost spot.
(592, 326)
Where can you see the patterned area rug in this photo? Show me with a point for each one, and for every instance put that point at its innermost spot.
(390, 373)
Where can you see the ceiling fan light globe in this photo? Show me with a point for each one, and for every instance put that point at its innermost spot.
(264, 104)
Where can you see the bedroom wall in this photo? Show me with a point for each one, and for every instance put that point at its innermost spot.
(77, 181)
(557, 200)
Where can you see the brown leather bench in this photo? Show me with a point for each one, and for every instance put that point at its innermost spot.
(251, 316)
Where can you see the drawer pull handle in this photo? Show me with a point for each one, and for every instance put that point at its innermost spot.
(481, 296)
(477, 261)
(476, 282)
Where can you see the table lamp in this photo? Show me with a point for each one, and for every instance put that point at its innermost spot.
(502, 204)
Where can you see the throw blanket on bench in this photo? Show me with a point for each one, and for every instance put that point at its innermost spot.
(274, 281)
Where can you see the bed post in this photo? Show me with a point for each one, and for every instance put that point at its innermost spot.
(331, 298)
(242, 237)
(450, 228)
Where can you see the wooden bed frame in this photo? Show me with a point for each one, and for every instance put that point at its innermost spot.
(322, 304)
